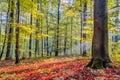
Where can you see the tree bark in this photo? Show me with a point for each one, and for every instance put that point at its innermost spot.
(3, 47)
(10, 35)
(57, 31)
(71, 33)
(47, 34)
(17, 34)
(100, 56)
(65, 39)
(81, 28)
(30, 41)
(37, 25)
(84, 25)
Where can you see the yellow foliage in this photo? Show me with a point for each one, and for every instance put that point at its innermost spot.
(70, 13)
(28, 30)
(111, 28)
(25, 37)
(115, 57)
(83, 39)
(37, 14)
(87, 32)
(89, 21)
(45, 35)
(1, 44)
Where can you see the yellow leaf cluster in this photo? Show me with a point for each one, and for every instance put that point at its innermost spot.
(70, 14)
(27, 30)
(37, 14)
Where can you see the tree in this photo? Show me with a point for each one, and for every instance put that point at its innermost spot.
(37, 25)
(57, 30)
(81, 28)
(65, 39)
(3, 47)
(30, 41)
(17, 34)
(71, 33)
(10, 35)
(84, 25)
(100, 56)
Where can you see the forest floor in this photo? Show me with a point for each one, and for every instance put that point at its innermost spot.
(56, 69)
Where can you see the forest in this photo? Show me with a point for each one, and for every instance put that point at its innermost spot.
(59, 39)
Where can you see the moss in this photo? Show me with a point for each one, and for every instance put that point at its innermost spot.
(107, 64)
(99, 64)
(90, 63)
(96, 64)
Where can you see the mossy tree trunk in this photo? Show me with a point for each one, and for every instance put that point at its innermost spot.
(100, 56)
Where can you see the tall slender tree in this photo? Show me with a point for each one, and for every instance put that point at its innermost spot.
(81, 28)
(47, 25)
(84, 25)
(65, 37)
(30, 41)
(71, 33)
(17, 34)
(37, 25)
(10, 34)
(57, 30)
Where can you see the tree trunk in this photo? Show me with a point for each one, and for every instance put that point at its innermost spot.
(57, 31)
(10, 35)
(47, 34)
(1, 31)
(41, 26)
(71, 33)
(81, 27)
(3, 47)
(84, 25)
(37, 41)
(100, 56)
(17, 34)
(30, 41)
(65, 39)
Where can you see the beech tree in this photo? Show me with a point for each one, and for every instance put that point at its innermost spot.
(17, 33)
(84, 25)
(57, 30)
(100, 56)
(11, 20)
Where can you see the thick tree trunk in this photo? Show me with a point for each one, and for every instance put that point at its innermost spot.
(100, 56)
